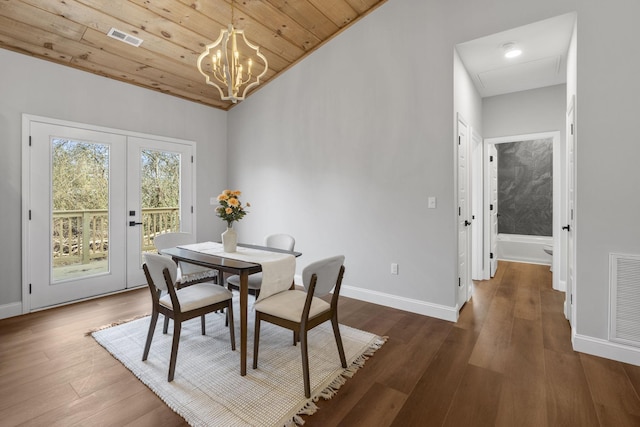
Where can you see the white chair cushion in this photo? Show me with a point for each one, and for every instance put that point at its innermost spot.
(289, 305)
(196, 296)
(254, 281)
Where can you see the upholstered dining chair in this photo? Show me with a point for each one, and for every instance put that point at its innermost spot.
(181, 304)
(188, 274)
(277, 241)
(301, 311)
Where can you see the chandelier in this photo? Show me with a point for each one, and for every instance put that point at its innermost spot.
(230, 68)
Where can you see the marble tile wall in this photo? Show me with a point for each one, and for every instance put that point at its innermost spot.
(525, 187)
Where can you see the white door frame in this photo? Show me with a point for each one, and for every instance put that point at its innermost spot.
(463, 215)
(492, 200)
(569, 238)
(557, 261)
(478, 265)
(27, 119)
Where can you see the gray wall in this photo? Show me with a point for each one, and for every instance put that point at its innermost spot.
(525, 187)
(526, 112)
(354, 145)
(37, 87)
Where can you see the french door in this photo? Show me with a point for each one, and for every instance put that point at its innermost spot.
(96, 199)
(159, 196)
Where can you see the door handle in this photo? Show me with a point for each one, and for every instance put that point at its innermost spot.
(466, 223)
(133, 223)
(567, 227)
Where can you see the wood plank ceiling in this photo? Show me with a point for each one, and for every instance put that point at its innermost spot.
(74, 33)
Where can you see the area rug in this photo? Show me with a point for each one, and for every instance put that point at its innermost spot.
(208, 390)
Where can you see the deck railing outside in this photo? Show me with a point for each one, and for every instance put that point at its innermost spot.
(81, 236)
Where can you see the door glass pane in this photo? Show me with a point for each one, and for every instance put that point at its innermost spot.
(80, 219)
(160, 195)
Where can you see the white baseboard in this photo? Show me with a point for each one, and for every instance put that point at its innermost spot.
(607, 349)
(562, 286)
(401, 303)
(10, 310)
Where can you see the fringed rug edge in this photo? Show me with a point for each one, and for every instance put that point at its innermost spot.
(116, 323)
(310, 407)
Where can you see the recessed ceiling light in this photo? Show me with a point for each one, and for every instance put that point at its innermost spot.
(511, 50)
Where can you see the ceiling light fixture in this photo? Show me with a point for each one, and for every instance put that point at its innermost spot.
(224, 66)
(511, 50)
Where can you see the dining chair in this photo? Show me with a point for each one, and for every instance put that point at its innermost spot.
(188, 274)
(181, 304)
(301, 311)
(277, 241)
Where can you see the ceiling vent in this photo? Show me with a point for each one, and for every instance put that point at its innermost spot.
(124, 37)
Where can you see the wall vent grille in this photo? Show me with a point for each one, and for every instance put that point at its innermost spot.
(624, 282)
(124, 37)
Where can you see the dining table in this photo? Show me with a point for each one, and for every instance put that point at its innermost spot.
(227, 264)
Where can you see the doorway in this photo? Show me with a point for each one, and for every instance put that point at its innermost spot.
(95, 198)
(492, 203)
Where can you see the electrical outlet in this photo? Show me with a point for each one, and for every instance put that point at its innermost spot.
(212, 201)
(394, 268)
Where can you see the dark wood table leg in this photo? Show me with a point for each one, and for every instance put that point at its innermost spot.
(244, 300)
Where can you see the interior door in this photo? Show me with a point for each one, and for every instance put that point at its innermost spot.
(159, 196)
(493, 208)
(464, 220)
(75, 234)
(570, 221)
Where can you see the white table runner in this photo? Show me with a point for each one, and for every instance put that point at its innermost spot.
(278, 269)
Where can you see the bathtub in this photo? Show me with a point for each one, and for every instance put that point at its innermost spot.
(521, 248)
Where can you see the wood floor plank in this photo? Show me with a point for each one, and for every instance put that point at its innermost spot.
(551, 301)
(569, 401)
(633, 373)
(493, 342)
(431, 398)
(557, 334)
(476, 399)
(527, 304)
(37, 404)
(161, 416)
(474, 312)
(611, 390)
(417, 355)
(145, 402)
(398, 376)
(378, 407)
(79, 410)
(523, 394)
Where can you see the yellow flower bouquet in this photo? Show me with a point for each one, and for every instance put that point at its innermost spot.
(231, 208)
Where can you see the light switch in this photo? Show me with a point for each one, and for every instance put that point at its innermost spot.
(431, 202)
(394, 268)
(212, 201)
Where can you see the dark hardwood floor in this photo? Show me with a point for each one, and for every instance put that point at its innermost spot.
(508, 361)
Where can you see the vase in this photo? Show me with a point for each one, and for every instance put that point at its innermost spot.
(230, 240)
